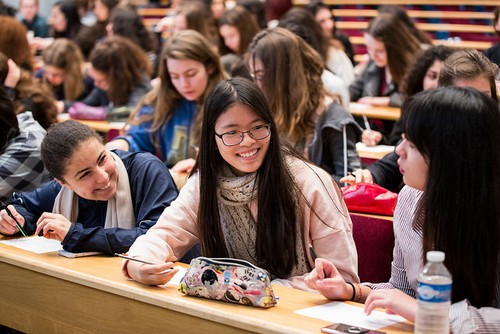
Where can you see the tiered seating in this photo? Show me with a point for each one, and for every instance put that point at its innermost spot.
(464, 24)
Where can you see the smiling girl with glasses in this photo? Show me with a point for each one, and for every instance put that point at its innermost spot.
(249, 198)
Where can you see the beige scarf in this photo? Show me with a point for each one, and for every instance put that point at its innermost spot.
(120, 211)
(235, 195)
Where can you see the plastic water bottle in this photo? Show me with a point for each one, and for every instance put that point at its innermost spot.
(434, 296)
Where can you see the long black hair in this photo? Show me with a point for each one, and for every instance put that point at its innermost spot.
(457, 131)
(276, 195)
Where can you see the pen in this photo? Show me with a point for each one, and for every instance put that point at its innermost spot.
(313, 253)
(367, 124)
(125, 256)
(314, 256)
(4, 207)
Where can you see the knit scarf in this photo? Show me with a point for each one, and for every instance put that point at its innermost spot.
(120, 211)
(235, 194)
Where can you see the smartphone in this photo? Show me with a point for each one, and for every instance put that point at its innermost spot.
(343, 328)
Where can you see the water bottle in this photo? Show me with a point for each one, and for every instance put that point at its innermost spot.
(433, 296)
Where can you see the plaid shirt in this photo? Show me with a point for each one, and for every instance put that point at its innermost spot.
(21, 168)
(407, 264)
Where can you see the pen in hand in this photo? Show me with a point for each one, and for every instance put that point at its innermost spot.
(314, 256)
(125, 256)
(3, 206)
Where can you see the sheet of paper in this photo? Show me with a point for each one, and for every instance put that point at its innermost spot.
(176, 280)
(34, 244)
(375, 149)
(359, 106)
(338, 312)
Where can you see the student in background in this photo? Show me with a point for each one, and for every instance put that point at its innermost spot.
(65, 22)
(301, 23)
(392, 49)
(249, 198)
(102, 11)
(464, 68)
(99, 200)
(127, 23)
(21, 167)
(120, 82)
(192, 15)
(237, 27)
(493, 53)
(400, 13)
(167, 122)
(334, 56)
(451, 167)
(289, 73)
(32, 19)
(64, 74)
(323, 15)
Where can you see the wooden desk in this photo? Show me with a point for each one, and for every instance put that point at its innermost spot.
(47, 293)
(99, 126)
(387, 113)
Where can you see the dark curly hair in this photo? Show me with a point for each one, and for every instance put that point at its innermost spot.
(413, 80)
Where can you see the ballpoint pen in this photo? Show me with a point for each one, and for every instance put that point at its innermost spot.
(3, 206)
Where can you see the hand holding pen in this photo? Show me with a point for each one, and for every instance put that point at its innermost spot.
(9, 224)
(148, 272)
(326, 279)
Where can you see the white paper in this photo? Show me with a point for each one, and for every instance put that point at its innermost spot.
(375, 149)
(176, 280)
(338, 312)
(34, 244)
(359, 106)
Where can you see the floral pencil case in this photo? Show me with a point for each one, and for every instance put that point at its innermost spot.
(229, 280)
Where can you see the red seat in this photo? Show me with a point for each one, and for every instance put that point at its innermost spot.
(374, 238)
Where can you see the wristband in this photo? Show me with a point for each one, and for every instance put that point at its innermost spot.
(353, 291)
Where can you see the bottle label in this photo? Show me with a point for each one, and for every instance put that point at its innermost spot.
(434, 293)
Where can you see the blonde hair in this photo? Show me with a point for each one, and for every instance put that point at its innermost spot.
(66, 55)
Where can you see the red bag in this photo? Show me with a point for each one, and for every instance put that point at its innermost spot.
(370, 198)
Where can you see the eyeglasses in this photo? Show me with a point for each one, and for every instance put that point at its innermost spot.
(234, 137)
(257, 75)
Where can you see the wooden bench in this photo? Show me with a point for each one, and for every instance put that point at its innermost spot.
(405, 2)
(417, 14)
(451, 26)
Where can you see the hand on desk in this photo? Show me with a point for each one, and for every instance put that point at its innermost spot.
(394, 301)
(52, 226)
(7, 224)
(151, 274)
(326, 279)
(358, 176)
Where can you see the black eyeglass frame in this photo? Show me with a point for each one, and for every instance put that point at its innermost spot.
(242, 134)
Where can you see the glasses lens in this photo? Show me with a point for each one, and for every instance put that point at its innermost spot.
(260, 132)
(231, 139)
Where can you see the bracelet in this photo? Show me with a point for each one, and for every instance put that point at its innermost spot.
(358, 299)
(353, 291)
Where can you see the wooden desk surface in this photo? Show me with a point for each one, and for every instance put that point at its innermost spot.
(388, 113)
(99, 126)
(47, 293)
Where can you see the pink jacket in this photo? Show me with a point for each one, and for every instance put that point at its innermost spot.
(175, 232)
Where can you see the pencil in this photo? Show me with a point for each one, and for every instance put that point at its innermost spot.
(125, 256)
(315, 256)
(4, 207)
(313, 253)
